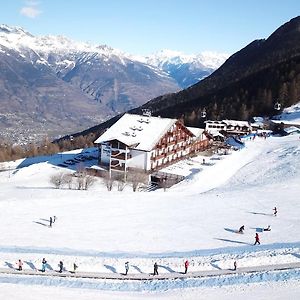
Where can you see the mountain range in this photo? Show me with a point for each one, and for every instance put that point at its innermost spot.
(186, 69)
(53, 85)
(248, 84)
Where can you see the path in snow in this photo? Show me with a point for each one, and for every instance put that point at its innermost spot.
(164, 276)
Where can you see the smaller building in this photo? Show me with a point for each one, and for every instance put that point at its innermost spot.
(230, 127)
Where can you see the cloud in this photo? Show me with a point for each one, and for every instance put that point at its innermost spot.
(32, 2)
(31, 9)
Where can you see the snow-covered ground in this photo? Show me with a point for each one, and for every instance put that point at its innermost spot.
(195, 220)
(290, 114)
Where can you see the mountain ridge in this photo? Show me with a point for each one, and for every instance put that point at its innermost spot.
(248, 84)
(281, 50)
(90, 83)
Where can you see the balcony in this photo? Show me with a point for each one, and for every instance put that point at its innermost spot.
(121, 156)
(116, 165)
(115, 151)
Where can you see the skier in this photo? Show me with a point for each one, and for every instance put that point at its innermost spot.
(155, 269)
(234, 265)
(126, 267)
(54, 219)
(256, 239)
(61, 266)
(50, 222)
(275, 211)
(20, 265)
(74, 267)
(186, 265)
(242, 228)
(203, 162)
(44, 263)
(268, 228)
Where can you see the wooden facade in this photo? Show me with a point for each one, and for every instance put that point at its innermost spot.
(176, 143)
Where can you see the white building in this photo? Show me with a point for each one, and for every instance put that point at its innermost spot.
(147, 143)
(228, 126)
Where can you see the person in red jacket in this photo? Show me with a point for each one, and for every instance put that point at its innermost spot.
(256, 239)
(20, 265)
(186, 265)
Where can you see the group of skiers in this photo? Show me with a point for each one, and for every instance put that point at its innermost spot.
(257, 241)
(257, 238)
(186, 266)
(44, 266)
(75, 266)
(155, 267)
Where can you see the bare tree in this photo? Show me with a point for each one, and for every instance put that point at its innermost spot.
(89, 181)
(68, 179)
(120, 182)
(137, 179)
(121, 185)
(57, 180)
(108, 181)
(80, 182)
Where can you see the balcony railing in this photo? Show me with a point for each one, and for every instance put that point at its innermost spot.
(118, 150)
(122, 156)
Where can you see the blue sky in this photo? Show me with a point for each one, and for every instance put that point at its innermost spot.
(146, 26)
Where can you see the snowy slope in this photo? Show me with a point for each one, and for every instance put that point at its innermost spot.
(290, 114)
(100, 230)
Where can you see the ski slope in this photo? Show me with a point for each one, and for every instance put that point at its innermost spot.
(195, 220)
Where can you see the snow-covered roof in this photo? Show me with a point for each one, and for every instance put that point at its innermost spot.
(258, 124)
(230, 122)
(140, 132)
(217, 134)
(197, 132)
(214, 121)
(292, 129)
(258, 119)
(236, 123)
(98, 168)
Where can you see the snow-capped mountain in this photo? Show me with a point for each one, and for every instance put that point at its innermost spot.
(53, 78)
(51, 84)
(186, 69)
